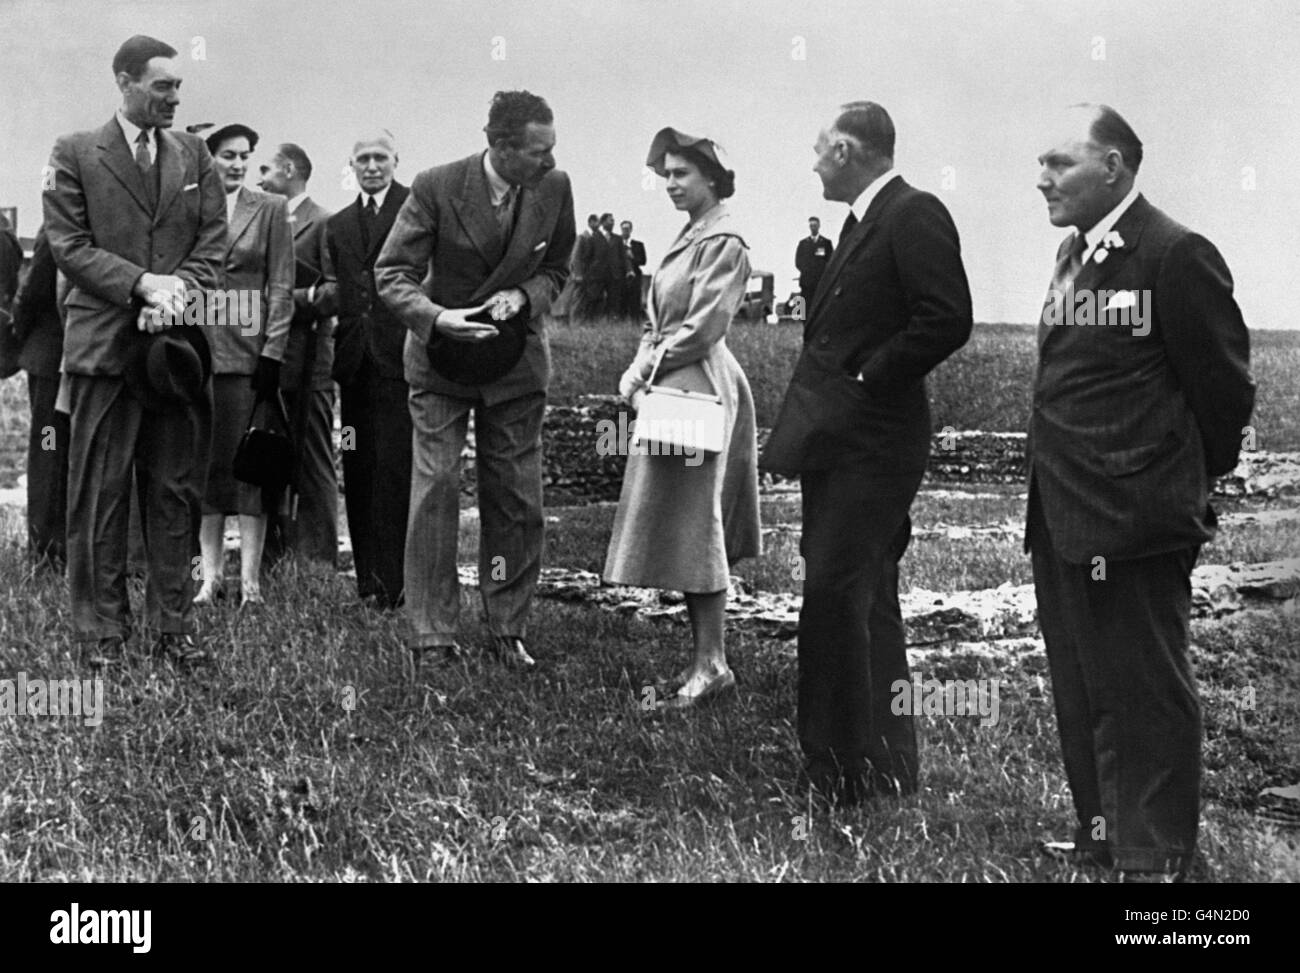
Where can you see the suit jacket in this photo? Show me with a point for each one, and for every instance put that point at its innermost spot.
(1127, 429)
(259, 261)
(367, 327)
(446, 251)
(312, 265)
(892, 305)
(11, 259)
(811, 258)
(635, 251)
(104, 234)
(37, 321)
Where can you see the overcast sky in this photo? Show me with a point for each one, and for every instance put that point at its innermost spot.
(1210, 87)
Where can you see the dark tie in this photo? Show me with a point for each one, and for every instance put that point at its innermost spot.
(1060, 290)
(369, 217)
(850, 222)
(505, 213)
(146, 166)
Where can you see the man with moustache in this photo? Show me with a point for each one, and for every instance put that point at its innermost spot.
(305, 374)
(368, 366)
(1131, 421)
(479, 251)
(855, 426)
(136, 219)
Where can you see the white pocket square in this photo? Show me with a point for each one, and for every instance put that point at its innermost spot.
(539, 246)
(1120, 300)
(193, 185)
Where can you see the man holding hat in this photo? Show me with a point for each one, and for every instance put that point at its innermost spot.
(491, 234)
(136, 219)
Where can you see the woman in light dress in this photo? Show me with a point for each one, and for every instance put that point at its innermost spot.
(683, 520)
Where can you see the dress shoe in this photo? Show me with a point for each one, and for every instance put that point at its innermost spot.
(108, 652)
(1070, 853)
(706, 693)
(510, 650)
(210, 593)
(179, 650)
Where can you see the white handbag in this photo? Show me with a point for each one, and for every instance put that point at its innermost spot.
(674, 421)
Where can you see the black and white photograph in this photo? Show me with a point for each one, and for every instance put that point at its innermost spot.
(650, 443)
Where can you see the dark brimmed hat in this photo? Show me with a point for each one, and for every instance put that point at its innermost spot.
(229, 131)
(169, 368)
(479, 362)
(669, 139)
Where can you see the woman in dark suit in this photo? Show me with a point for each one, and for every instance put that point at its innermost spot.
(682, 520)
(248, 333)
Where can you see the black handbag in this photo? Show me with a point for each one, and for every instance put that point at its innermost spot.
(265, 454)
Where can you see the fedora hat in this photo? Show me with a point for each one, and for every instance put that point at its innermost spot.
(479, 362)
(169, 368)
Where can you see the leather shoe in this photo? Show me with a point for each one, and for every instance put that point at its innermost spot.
(179, 650)
(707, 693)
(510, 650)
(1067, 852)
(108, 652)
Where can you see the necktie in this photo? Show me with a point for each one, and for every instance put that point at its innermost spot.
(505, 213)
(1061, 288)
(369, 217)
(850, 222)
(145, 164)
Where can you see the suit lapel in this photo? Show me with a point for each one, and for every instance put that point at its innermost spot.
(246, 208)
(532, 215)
(118, 159)
(383, 222)
(845, 249)
(303, 218)
(172, 162)
(472, 206)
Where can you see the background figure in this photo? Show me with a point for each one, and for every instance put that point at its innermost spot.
(593, 257)
(135, 219)
(246, 355)
(633, 260)
(492, 235)
(11, 261)
(372, 385)
(1130, 424)
(311, 530)
(811, 256)
(683, 520)
(38, 326)
(855, 425)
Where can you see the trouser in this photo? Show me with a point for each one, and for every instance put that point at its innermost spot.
(314, 533)
(508, 462)
(112, 435)
(852, 645)
(376, 448)
(1127, 709)
(47, 472)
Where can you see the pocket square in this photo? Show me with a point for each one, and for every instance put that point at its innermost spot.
(540, 246)
(193, 185)
(1120, 300)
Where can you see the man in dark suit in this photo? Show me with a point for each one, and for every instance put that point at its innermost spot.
(1141, 399)
(633, 261)
(591, 264)
(11, 262)
(376, 435)
(810, 258)
(855, 424)
(305, 376)
(38, 326)
(136, 219)
(479, 252)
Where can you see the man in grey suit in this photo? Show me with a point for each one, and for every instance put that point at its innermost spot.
(311, 529)
(1141, 399)
(136, 219)
(491, 235)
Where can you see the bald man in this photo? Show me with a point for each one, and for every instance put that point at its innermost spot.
(376, 442)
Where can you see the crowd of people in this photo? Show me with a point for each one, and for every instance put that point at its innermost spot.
(605, 275)
(440, 291)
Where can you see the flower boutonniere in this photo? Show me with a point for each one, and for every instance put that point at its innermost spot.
(1111, 241)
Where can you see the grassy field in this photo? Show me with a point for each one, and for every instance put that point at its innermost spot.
(308, 753)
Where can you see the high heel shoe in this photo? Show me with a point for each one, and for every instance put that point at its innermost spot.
(710, 691)
(210, 593)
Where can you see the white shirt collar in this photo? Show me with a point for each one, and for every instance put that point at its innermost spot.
(301, 198)
(379, 197)
(131, 132)
(232, 199)
(864, 199)
(497, 187)
(1107, 223)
